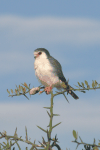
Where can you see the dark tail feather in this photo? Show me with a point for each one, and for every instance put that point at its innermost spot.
(71, 92)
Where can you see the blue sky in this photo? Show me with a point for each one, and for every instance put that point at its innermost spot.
(70, 30)
(88, 9)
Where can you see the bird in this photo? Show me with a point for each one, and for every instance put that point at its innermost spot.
(49, 72)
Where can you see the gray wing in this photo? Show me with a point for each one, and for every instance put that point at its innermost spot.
(58, 71)
(57, 68)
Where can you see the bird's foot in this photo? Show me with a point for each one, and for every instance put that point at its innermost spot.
(48, 89)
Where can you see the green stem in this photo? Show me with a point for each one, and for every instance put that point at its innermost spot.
(51, 118)
(51, 114)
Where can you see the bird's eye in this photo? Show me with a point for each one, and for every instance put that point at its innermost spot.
(40, 53)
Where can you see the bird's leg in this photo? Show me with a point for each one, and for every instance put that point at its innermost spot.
(48, 89)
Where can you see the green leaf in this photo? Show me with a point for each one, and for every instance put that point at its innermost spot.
(8, 91)
(25, 84)
(24, 89)
(11, 91)
(75, 134)
(96, 83)
(56, 125)
(82, 84)
(93, 84)
(42, 129)
(99, 144)
(86, 82)
(19, 88)
(16, 91)
(79, 84)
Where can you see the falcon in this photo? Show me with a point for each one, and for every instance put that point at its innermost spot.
(49, 72)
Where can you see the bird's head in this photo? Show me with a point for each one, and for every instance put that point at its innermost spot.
(41, 52)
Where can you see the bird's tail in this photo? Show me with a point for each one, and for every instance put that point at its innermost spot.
(71, 92)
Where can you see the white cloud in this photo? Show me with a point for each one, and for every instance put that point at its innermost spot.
(49, 29)
(17, 32)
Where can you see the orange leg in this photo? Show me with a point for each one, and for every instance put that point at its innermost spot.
(48, 89)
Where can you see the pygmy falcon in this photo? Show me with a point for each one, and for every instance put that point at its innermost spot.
(49, 72)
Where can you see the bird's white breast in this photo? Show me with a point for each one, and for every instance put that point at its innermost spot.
(44, 71)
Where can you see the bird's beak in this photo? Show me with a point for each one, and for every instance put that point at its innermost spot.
(36, 55)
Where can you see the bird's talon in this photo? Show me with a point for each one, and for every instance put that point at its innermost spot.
(48, 89)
